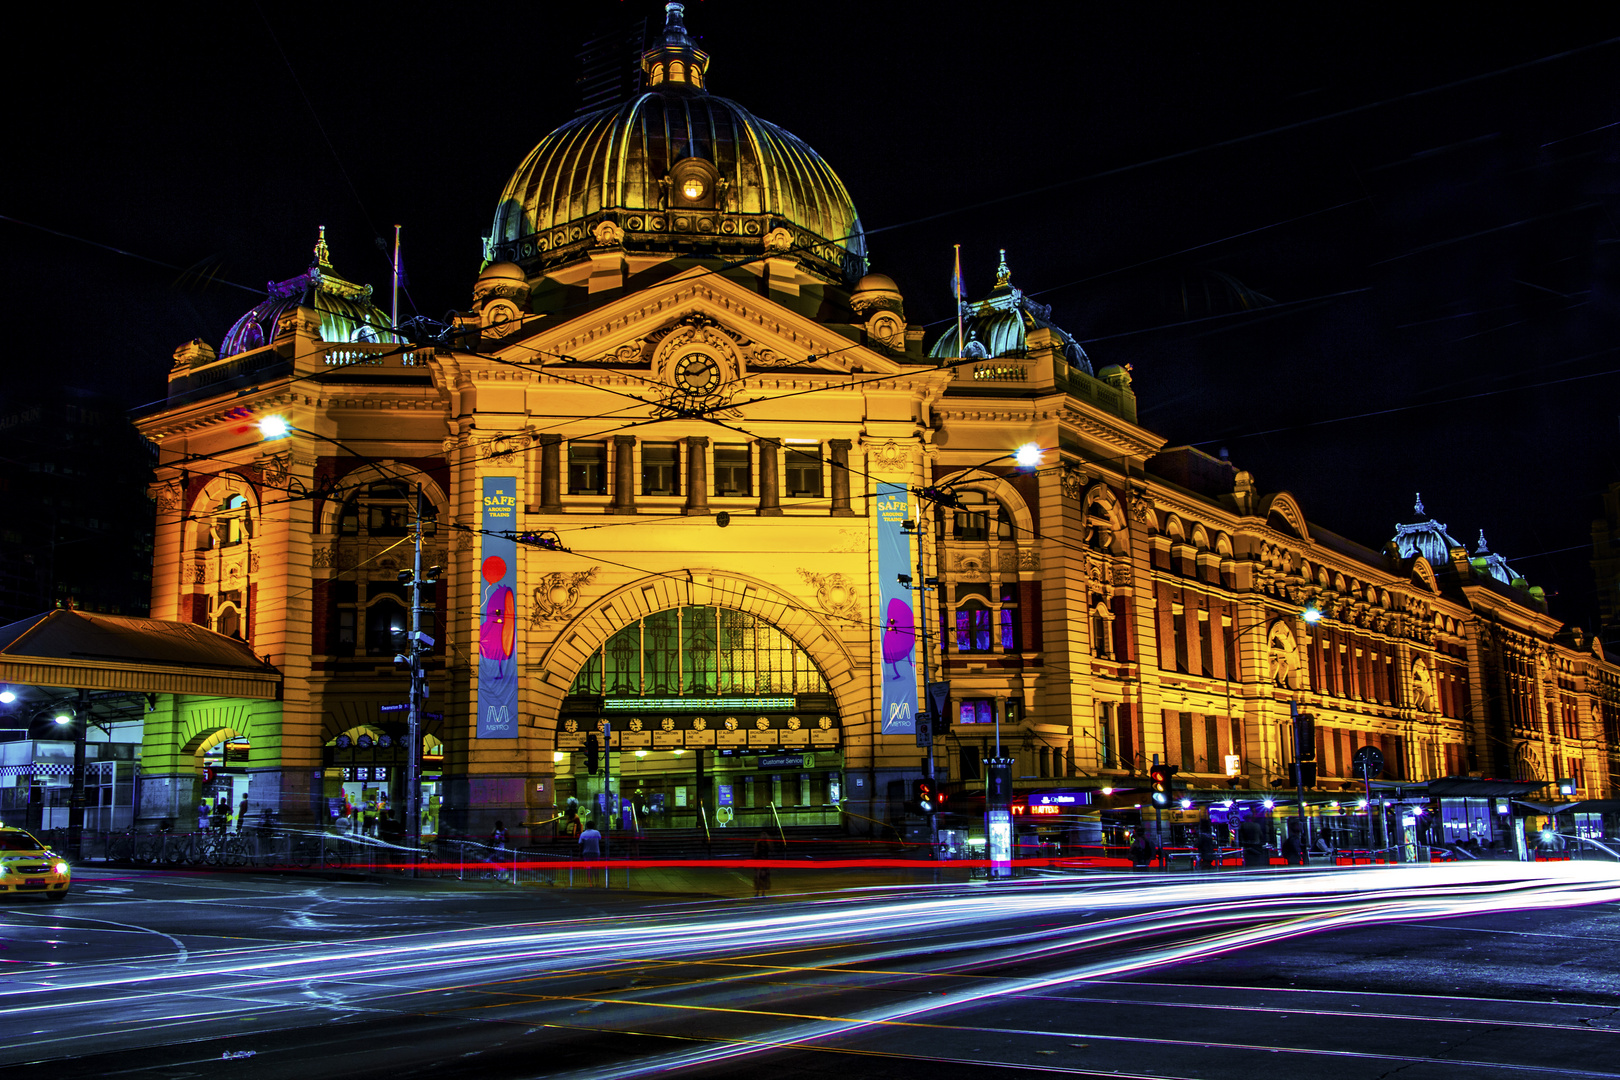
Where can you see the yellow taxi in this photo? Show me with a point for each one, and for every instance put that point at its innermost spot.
(28, 866)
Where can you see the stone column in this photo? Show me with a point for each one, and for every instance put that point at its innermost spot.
(697, 475)
(624, 475)
(551, 474)
(840, 477)
(770, 484)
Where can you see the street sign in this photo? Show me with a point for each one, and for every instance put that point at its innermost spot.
(925, 735)
(1367, 762)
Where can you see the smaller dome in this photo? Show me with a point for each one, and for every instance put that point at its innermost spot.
(876, 283)
(1000, 324)
(345, 309)
(503, 271)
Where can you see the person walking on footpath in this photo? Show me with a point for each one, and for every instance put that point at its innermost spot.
(762, 873)
(590, 849)
(241, 815)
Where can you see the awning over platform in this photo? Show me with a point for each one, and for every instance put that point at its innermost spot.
(83, 650)
(1464, 787)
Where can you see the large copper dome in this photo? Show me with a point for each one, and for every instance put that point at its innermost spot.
(677, 170)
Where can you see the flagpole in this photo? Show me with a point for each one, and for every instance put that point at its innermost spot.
(395, 321)
(961, 342)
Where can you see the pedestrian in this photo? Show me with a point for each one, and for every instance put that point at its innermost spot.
(203, 812)
(762, 873)
(1141, 850)
(1206, 849)
(241, 815)
(222, 814)
(590, 849)
(1291, 853)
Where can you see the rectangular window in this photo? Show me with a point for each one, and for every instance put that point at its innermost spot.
(1206, 647)
(386, 520)
(587, 468)
(971, 525)
(1105, 735)
(976, 711)
(803, 466)
(967, 763)
(733, 473)
(660, 469)
(1011, 635)
(1178, 615)
(1189, 749)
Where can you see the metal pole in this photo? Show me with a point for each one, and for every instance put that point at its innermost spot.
(1299, 779)
(413, 729)
(927, 631)
(76, 805)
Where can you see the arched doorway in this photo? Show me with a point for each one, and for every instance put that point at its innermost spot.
(365, 777)
(221, 756)
(716, 718)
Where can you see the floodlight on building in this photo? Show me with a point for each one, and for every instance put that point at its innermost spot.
(1268, 804)
(1027, 456)
(1312, 613)
(275, 427)
(7, 696)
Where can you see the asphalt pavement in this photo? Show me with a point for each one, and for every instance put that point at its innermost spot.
(1419, 973)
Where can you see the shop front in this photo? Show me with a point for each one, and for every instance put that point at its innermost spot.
(364, 786)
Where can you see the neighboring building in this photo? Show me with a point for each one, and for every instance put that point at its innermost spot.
(677, 367)
(81, 470)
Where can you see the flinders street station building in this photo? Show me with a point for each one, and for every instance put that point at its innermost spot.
(687, 471)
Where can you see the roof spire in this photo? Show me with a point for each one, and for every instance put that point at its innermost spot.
(323, 254)
(1418, 504)
(1482, 549)
(675, 59)
(1003, 275)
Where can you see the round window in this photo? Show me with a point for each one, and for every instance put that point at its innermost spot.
(692, 188)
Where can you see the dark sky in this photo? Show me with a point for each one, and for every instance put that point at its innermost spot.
(1422, 203)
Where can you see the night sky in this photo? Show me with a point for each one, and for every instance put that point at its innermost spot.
(1369, 253)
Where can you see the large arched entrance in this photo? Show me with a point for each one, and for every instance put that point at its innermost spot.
(715, 717)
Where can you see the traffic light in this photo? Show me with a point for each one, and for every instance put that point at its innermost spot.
(1304, 737)
(592, 749)
(922, 796)
(1161, 775)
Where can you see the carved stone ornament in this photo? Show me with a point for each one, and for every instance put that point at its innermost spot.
(835, 594)
(505, 445)
(1140, 507)
(1284, 656)
(970, 568)
(1122, 575)
(500, 317)
(890, 457)
(199, 571)
(168, 498)
(607, 233)
(1072, 482)
(1029, 559)
(557, 594)
(274, 467)
(321, 556)
(1423, 698)
(778, 240)
(848, 542)
(253, 562)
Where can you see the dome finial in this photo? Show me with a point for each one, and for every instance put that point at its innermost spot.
(1417, 501)
(675, 59)
(1483, 548)
(1003, 275)
(323, 254)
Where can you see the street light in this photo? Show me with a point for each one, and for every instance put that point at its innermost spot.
(7, 696)
(275, 427)
(1027, 456)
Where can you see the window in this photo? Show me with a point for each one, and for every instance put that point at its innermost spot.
(232, 525)
(1105, 735)
(976, 711)
(587, 468)
(660, 469)
(230, 623)
(385, 627)
(804, 470)
(732, 472)
(1012, 638)
(981, 518)
(972, 619)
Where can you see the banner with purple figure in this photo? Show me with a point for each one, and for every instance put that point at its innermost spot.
(895, 614)
(497, 612)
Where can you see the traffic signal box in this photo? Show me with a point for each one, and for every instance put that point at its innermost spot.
(1161, 776)
(922, 797)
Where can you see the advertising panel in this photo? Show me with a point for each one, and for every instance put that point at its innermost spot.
(497, 612)
(895, 615)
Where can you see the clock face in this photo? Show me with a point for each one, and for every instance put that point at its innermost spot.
(635, 724)
(697, 374)
(571, 726)
(700, 724)
(731, 723)
(762, 724)
(793, 723)
(825, 723)
(668, 724)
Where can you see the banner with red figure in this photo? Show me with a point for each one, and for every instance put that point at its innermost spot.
(497, 612)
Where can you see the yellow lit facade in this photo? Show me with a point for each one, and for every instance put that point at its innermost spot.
(676, 353)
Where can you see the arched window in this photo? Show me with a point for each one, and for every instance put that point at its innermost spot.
(381, 509)
(981, 518)
(229, 622)
(386, 624)
(232, 525)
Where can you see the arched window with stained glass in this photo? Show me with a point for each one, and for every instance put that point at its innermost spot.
(699, 651)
